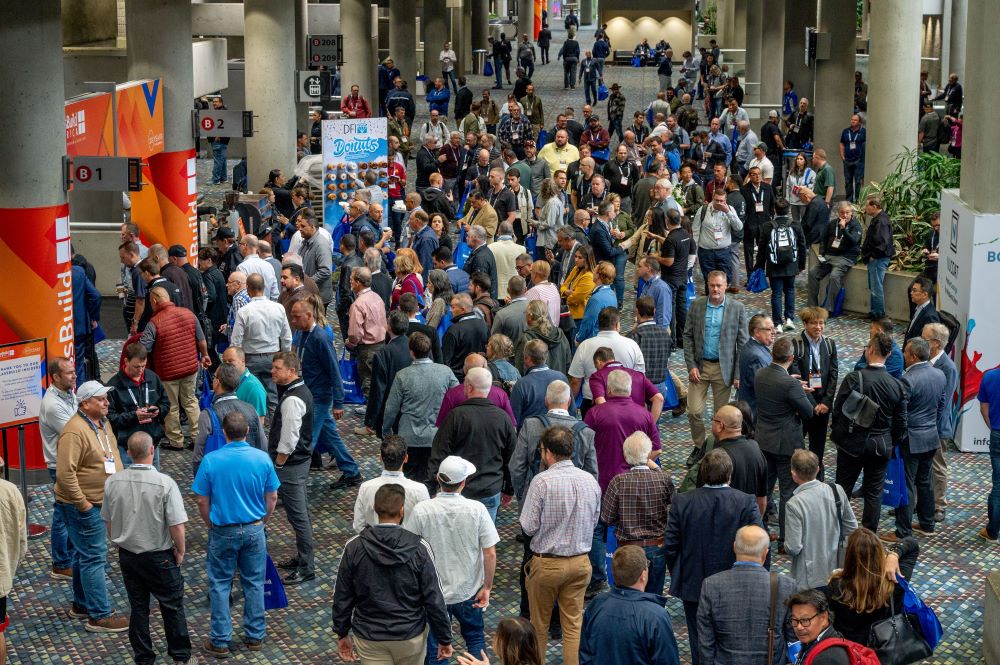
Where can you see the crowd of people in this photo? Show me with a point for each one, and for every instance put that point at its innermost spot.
(482, 308)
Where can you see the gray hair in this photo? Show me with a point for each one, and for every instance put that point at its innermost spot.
(557, 394)
(565, 232)
(938, 332)
(373, 259)
(479, 380)
(751, 540)
(619, 383)
(228, 376)
(606, 208)
(140, 445)
(637, 448)
(505, 228)
(479, 232)
(665, 183)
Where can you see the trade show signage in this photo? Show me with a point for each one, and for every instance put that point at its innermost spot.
(22, 368)
(353, 150)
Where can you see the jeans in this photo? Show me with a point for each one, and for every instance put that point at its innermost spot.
(492, 504)
(779, 469)
(615, 127)
(470, 623)
(599, 554)
(219, 150)
(89, 538)
(782, 286)
(716, 259)
(619, 284)
(993, 503)
(876, 278)
(294, 495)
(854, 179)
(498, 71)
(600, 66)
(715, 107)
(569, 74)
(849, 468)
(231, 547)
(127, 461)
(61, 547)
(156, 574)
(326, 439)
(590, 90)
(919, 490)
(395, 221)
(450, 77)
(657, 559)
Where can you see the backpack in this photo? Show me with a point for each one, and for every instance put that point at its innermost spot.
(525, 52)
(217, 439)
(444, 324)
(691, 476)
(949, 321)
(857, 654)
(578, 427)
(782, 248)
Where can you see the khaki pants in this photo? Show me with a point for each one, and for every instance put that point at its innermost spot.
(711, 377)
(939, 467)
(678, 385)
(397, 652)
(564, 580)
(182, 396)
(365, 354)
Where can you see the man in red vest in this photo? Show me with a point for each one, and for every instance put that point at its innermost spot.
(174, 340)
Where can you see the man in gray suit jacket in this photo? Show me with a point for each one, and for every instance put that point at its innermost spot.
(936, 335)
(735, 606)
(756, 354)
(782, 407)
(924, 385)
(510, 320)
(714, 335)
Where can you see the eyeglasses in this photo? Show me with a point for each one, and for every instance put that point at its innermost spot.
(804, 622)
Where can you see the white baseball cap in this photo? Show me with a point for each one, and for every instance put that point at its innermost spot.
(91, 389)
(454, 470)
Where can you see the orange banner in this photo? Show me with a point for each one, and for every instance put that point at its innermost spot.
(166, 208)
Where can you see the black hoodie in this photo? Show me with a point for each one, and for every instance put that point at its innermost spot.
(387, 588)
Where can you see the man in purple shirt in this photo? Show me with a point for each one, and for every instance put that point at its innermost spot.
(643, 391)
(456, 395)
(613, 422)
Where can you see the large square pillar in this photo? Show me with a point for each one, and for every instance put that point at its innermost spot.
(981, 135)
(755, 33)
(773, 65)
(834, 101)
(403, 39)
(799, 14)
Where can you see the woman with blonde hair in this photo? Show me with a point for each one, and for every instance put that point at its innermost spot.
(861, 591)
(499, 349)
(540, 327)
(407, 277)
(579, 283)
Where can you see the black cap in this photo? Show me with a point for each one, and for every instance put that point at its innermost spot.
(177, 251)
(224, 232)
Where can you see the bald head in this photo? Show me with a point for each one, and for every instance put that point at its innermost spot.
(731, 421)
(159, 296)
(751, 544)
(473, 361)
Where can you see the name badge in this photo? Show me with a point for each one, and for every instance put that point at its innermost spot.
(515, 136)
(528, 113)
(760, 206)
(625, 180)
(562, 165)
(836, 243)
(815, 381)
(404, 139)
(853, 145)
(703, 166)
(109, 465)
(718, 235)
(795, 129)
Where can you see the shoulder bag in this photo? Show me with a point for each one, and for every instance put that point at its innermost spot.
(897, 640)
(859, 409)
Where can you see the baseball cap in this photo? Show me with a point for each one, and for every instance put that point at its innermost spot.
(454, 470)
(91, 389)
(762, 146)
(530, 142)
(177, 251)
(224, 232)
(772, 114)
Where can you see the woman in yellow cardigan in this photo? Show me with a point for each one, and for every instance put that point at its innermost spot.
(579, 283)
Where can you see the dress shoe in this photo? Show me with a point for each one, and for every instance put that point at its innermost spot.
(298, 577)
(58, 573)
(216, 651)
(288, 564)
(346, 481)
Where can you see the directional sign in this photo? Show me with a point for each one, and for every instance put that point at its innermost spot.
(325, 50)
(314, 86)
(111, 174)
(223, 123)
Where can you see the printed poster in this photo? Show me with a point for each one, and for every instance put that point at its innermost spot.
(355, 156)
(21, 370)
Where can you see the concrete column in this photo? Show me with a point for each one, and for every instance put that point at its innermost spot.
(755, 33)
(359, 64)
(435, 35)
(270, 59)
(834, 101)
(586, 12)
(403, 38)
(772, 65)
(725, 15)
(956, 41)
(798, 15)
(302, 122)
(525, 23)
(739, 34)
(894, 85)
(980, 167)
(480, 24)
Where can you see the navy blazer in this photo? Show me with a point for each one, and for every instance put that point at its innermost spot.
(946, 426)
(925, 404)
(927, 315)
(698, 542)
(782, 407)
(392, 357)
(603, 243)
(753, 356)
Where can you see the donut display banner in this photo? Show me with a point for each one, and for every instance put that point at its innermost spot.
(355, 156)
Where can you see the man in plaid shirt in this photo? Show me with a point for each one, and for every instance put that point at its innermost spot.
(656, 344)
(560, 512)
(637, 503)
(515, 129)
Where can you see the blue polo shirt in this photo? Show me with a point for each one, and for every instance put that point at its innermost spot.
(713, 329)
(236, 477)
(252, 391)
(856, 138)
(989, 393)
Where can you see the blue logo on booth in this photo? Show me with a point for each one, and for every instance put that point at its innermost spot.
(150, 95)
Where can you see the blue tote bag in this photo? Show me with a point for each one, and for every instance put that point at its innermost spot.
(206, 395)
(488, 69)
(352, 382)
(691, 295)
(531, 244)
(894, 488)
(930, 626)
(757, 282)
(602, 92)
(274, 588)
(542, 139)
(462, 250)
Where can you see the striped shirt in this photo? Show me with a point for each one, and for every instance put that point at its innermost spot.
(561, 509)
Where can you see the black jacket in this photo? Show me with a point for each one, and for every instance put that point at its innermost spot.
(849, 246)
(125, 397)
(230, 259)
(890, 419)
(387, 588)
(482, 260)
(815, 220)
(197, 285)
(382, 285)
(463, 102)
(765, 194)
(467, 334)
(172, 291)
(345, 296)
(432, 335)
(764, 249)
(927, 315)
(878, 242)
(782, 407)
(435, 201)
(303, 447)
(216, 306)
(828, 369)
(481, 432)
(427, 164)
(392, 357)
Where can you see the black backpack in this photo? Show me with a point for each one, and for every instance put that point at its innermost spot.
(578, 427)
(951, 323)
(782, 246)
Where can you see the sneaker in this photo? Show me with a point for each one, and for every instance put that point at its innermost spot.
(939, 516)
(364, 431)
(778, 329)
(360, 410)
(694, 457)
(985, 535)
(789, 325)
(110, 624)
(288, 564)
(298, 577)
(77, 612)
(254, 645)
(58, 573)
(921, 531)
(346, 481)
(212, 650)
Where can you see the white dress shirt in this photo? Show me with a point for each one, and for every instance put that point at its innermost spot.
(364, 506)
(254, 265)
(261, 327)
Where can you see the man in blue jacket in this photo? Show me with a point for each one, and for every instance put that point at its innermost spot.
(605, 249)
(86, 316)
(894, 363)
(626, 625)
